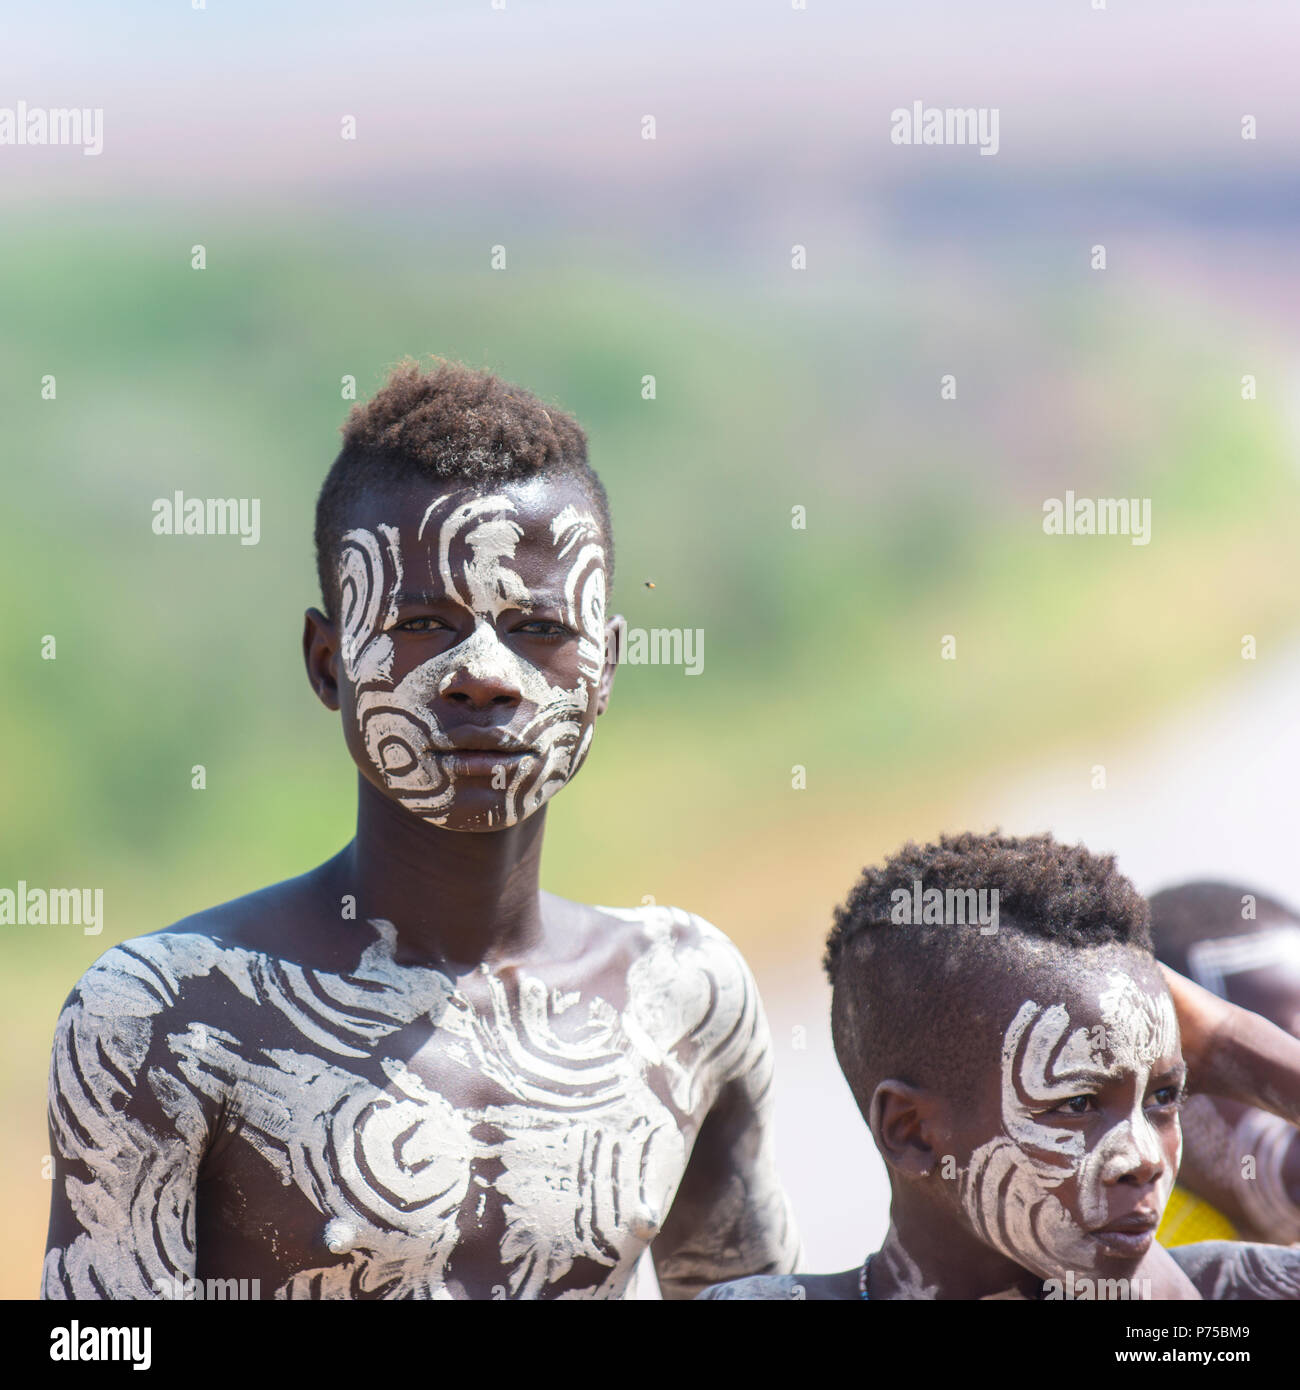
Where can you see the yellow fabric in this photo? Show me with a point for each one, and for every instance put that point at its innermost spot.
(1188, 1219)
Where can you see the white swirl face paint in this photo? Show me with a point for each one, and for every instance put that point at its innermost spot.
(1011, 1189)
(472, 547)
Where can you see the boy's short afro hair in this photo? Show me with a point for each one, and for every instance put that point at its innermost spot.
(907, 997)
(453, 424)
(1059, 892)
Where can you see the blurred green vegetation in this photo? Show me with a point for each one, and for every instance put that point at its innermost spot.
(822, 645)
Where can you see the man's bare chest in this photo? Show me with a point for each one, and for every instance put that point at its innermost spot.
(391, 1134)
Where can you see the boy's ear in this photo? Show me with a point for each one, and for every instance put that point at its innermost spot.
(903, 1124)
(320, 648)
(615, 637)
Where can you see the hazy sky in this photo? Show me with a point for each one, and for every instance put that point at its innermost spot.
(249, 96)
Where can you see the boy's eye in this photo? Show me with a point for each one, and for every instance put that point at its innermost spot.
(1076, 1105)
(1167, 1095)
(540, 628)
(419, 625)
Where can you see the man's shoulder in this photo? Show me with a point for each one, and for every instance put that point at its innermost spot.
(658, 928)
(796, 1288)
(672, 953)
(144, 975)
(690, 992)
(1236, 1269)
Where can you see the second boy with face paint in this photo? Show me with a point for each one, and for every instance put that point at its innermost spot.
(410, 1073)
(1024, 1086)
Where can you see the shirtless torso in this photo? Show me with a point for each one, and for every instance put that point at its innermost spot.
(265, 1093)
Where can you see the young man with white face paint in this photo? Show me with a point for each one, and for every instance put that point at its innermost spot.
(410, 1073)
(1241, 1165)
(1025, 1087)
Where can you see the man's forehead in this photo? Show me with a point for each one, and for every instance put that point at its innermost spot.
(422, 511)
(1125, 1027)
(1104, 985)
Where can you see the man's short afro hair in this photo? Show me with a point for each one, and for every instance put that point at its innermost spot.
(453, 424)
(907, 997)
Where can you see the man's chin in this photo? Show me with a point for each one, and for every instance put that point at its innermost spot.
(1102, 1262)
(478, 813)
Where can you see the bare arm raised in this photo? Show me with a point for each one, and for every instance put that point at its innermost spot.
(1235, 1054)
(1246, 1071)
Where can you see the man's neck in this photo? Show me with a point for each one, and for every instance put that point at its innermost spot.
(456, 898)
(918, 1261)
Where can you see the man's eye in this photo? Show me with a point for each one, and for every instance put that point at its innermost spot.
(1076, 1105)
(1167, 1095)
(540, 628)
(419, 625)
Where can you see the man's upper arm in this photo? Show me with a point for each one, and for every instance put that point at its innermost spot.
(730, 1217)
(1236, 1054)
(1259, 1195)
(1237, 1270)
(127, 1135)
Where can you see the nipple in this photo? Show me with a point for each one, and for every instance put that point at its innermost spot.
(340, 1236)
(644, 1224)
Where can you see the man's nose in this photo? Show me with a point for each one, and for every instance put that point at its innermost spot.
(480, 683)
(1141, 1160)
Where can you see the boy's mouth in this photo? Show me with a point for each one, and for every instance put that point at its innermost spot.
(481, 762)
(1129, 1236)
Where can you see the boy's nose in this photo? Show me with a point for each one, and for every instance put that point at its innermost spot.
(479, 689)
(1145, 1170)
(1141, 1160)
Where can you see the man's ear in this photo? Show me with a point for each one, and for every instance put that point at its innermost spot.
(615, 637)
(903, 1122)
(320, 650)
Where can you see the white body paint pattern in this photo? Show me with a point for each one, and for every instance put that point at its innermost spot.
(1008, 1189)
(1265, 1200)
(476, 542)
(582, 1115)
(904, 1272)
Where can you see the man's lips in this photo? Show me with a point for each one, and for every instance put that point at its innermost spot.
(479, 760)
(1135, 1222)
(484, 741)
(1129, 1235)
